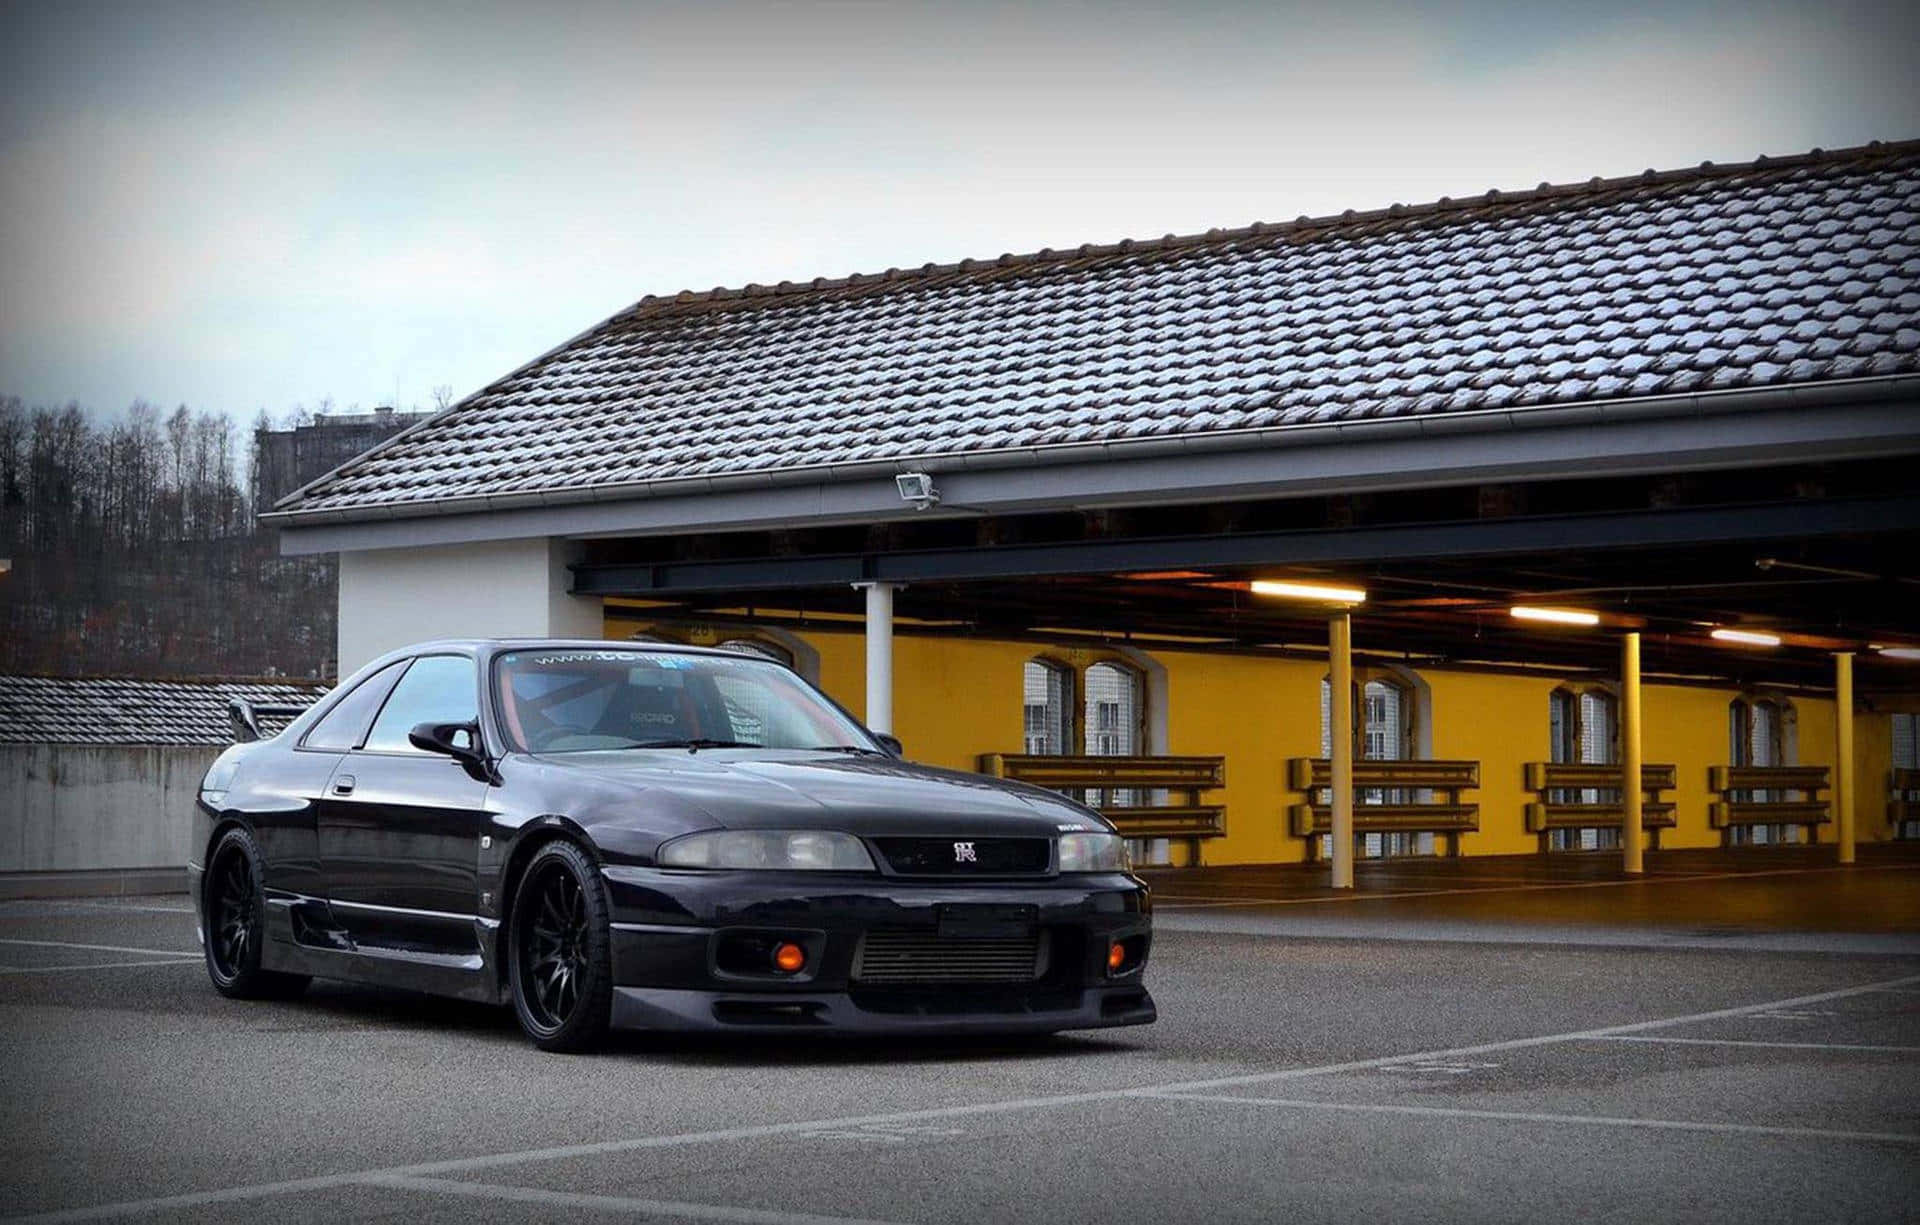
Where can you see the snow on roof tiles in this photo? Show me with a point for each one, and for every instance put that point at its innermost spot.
(115, 710)
(1790, 271)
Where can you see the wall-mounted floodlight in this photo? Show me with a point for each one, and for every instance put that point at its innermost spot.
(1322, 592)
(916, 490)
(1557, 616)
(1747, 638)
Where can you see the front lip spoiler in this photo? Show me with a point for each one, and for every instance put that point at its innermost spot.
(834, 1012)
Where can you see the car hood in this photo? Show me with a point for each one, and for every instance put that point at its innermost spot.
(869, 796)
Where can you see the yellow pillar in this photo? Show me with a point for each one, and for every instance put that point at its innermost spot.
(1340, 716)
(1631, 793)
(1843, 751)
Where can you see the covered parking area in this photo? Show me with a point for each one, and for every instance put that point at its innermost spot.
(1673, 415)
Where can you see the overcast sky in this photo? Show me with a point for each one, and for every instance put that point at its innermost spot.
(255, 205)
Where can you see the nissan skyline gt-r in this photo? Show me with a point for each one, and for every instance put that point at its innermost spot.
(625, 835)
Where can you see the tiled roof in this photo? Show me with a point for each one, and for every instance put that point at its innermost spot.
(1790, 271)
(113, 710)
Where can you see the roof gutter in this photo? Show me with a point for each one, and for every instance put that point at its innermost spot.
(1433, 426)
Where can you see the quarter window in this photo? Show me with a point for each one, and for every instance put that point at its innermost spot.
(436, 689)
(342, 727)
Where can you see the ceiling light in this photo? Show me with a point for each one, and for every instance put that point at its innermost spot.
(1559, 616)
(1747, 637)
(1310, 591)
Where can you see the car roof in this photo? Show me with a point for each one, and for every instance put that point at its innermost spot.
(495, 645)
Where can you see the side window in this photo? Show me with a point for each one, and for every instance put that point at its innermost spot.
(342, 727)
(436, 689)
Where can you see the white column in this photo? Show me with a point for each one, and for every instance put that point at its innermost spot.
(1340, 718)
(879, 654)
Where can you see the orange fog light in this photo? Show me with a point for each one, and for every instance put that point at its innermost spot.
(1116, 956)
(789, 958)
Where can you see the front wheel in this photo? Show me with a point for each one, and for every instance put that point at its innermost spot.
(234, 912)
(560, 951)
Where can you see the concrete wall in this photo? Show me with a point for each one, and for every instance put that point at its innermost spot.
(68, 808)
(509, 588)
(956, 698)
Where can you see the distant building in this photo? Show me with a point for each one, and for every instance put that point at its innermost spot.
(284, 460)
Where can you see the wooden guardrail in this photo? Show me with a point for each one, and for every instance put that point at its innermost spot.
(1903, 800)
(1551, 810)
(1447, 814)
(1192, 821)
(1772, 805)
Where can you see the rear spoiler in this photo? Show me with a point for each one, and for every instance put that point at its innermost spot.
(245, 716)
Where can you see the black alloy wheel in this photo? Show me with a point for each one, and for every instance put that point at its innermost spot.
(560, 952)
(233, 918)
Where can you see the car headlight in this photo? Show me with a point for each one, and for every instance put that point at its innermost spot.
(778, 850)
(1093, 853)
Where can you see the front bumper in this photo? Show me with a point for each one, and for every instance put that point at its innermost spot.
(672, 931)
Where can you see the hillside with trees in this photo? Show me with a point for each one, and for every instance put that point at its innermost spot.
(135, 550)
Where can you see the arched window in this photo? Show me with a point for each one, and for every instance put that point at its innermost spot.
(1584, 727)
(1386, 720)
(1116, 710)
(1047, 688)
(1115, 721)
(1762, 732)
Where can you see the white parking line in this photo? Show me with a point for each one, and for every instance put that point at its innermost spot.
(1531, 1116)
(108, 965)
(102, 948)
(610, 1203)
(1784, 1046)
(201, 1199)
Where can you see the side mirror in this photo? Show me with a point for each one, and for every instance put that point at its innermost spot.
(890, 743)
(460, 741)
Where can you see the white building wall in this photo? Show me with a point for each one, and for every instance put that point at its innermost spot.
(490, 589)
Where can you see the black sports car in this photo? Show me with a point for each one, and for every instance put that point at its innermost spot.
(661, 837)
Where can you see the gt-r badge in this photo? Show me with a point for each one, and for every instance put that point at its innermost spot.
(963, 853)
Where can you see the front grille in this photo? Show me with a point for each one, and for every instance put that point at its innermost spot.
(926, 957)
(967, 856)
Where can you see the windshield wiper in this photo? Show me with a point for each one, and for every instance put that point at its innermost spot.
(861, 749)
(692, 746)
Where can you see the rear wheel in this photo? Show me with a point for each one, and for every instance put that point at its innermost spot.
(560, 951)
(233, 908)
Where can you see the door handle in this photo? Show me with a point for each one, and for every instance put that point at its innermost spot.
(343, 785)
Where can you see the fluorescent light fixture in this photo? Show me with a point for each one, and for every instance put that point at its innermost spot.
(1899, 652)
(1559, 616)
(1747, 637)
(1310, 591)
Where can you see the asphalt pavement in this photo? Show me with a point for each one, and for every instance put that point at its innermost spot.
(1406, 1055)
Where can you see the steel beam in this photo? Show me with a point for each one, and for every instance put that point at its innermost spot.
(1400, 542)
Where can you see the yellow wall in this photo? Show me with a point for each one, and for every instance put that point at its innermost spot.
(956, 698)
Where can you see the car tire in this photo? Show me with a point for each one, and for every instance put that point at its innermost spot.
(233, 912)
(560, 951)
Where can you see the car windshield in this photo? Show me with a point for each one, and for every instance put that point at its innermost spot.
(579, 699)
